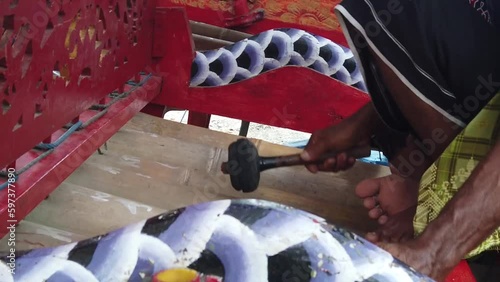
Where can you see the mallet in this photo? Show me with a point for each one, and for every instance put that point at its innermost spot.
(244, 163)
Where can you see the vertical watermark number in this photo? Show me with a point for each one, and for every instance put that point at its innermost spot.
(11, 221)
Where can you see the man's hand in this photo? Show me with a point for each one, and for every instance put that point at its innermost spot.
(353, 132)
(338, 138)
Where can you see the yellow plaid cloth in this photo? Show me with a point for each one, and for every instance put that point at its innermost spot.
(443, 179)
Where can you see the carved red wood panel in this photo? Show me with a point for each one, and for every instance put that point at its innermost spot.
(57, 58)
(290, 97)
(315, 16)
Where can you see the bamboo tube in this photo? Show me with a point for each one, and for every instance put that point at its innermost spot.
(217, 32)
(202, 42)
(209, 37)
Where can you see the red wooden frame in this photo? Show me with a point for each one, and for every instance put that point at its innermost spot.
(218, 18)
(291, 97)
(57, 58)
(287, 97)
(34, 185)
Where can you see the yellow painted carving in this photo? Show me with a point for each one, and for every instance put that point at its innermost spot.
(67, 41)
(74, 53)
(314, 13)
(104, 53)
(83, 32)
(97, 44)
(91, 32)
(71, 29)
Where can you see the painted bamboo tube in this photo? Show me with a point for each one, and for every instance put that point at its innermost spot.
(217, 32)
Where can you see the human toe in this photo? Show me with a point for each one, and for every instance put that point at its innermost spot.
(370, 202)
(368, 188)
(376, 212)
(383, 219)
(372, 237)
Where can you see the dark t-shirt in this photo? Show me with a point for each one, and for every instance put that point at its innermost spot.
(443, 50)
(489, 10)
(494, 11)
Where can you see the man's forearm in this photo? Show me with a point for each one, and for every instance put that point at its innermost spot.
(470, 217)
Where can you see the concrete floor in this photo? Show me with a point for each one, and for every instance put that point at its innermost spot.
(267, 133)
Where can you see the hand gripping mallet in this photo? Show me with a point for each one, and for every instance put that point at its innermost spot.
(244, 163)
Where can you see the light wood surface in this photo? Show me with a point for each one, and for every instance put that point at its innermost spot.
(154, 165)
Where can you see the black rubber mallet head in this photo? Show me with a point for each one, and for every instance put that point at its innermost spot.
(244, 163)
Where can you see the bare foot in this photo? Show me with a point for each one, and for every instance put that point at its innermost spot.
(423, 257)
(416, 256)
(392, 200)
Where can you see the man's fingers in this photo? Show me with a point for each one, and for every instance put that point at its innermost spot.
(341, 161)
(322, 142)
(312, 168)
(306, 155)
(350, 162)
(333, 165)
(318, 144)
(329, 164)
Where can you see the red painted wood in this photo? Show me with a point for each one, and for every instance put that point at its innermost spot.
(173, 48)
(48, 139)
(199, 119)
(12, 165)
(35, 184)
(218, 19)
(242, 15)
(461, 273)
(291, 97)
(154, 110)
(95, 45)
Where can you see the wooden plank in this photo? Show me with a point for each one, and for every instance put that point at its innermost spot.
(190, 157)
(30, 235)
(88, 212)
(203, 43)
(194, 143)
(162, 165)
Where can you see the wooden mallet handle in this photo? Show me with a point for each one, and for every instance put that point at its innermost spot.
(292, 160)
(245, 164)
